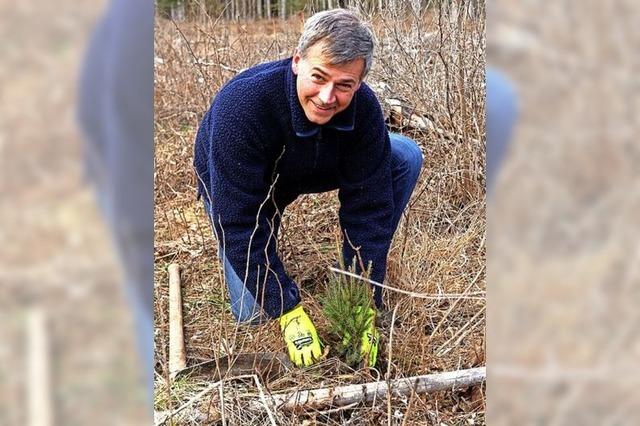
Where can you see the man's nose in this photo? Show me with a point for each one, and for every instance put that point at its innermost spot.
(327, 95)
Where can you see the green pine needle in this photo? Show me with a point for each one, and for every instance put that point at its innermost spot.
(346, 303)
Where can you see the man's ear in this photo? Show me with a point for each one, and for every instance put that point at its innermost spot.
(295, 62)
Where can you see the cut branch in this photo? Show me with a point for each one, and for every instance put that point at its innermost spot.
(353, 394)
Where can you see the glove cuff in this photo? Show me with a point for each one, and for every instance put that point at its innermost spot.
(284, 318)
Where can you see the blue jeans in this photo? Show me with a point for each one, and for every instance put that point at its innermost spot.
(406, 162)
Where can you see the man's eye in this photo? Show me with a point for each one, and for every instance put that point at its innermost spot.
(317, 77)
(344, 87)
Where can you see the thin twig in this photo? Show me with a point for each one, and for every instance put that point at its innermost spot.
(479, 295)
(439, 350)
(335, 410)
(412, 398)
(264, 400)
(222, 410)
(187, 404)
(393, 321)
(453, 306)
(193, 55)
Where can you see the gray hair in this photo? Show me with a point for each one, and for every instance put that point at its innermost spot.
(346, 37)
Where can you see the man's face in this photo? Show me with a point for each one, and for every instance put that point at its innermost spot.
(324, 89)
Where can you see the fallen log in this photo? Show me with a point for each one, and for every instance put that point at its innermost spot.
(367, 392)
(267, 366)
(399, 114)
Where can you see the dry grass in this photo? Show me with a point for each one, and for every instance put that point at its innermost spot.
(435, 64)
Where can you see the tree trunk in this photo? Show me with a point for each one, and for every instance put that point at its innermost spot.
(283, 9)
(227, 10)
(177, 11)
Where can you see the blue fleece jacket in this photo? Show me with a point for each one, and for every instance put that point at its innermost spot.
(256, 151)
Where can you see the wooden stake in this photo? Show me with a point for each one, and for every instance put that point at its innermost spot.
(345, 395)
(39, 371)
(177, 353)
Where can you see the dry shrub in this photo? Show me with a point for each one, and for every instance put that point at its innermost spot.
(433, 61)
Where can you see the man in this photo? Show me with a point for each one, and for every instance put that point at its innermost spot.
(306, 124)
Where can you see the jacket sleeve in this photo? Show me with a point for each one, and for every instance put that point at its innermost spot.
(245, 218)
(366, 192)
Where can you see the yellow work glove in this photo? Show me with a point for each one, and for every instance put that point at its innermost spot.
(370, 340)
(301, 337)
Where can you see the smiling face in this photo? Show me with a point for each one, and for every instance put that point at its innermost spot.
(324, 89)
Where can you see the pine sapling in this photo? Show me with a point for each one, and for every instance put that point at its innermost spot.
(346, 303)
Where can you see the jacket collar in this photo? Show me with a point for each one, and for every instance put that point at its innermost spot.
(344, 121)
